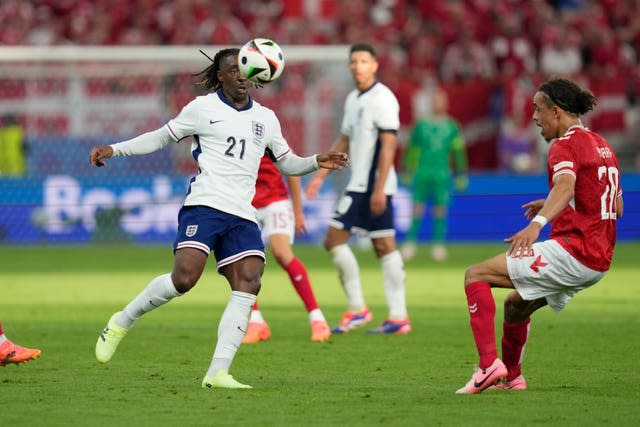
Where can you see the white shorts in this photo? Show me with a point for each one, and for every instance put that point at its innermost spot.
(277, 218)
(551, 273)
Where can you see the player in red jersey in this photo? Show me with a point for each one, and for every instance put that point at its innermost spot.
(583, 203)
(280, 218)
(13, 353)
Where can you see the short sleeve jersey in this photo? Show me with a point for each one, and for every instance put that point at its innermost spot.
(366, 115)
(586, 228)
(228, 144)
(270, 186)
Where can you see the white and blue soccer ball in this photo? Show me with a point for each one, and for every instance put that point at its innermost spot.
(261, 60)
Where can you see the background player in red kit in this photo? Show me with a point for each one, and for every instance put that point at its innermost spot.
(280, 218)
(583, 203)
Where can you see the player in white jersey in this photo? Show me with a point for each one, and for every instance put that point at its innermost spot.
(231, 132)
(369, 131)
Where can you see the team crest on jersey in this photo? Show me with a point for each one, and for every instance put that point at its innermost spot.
(191, 230)
(258, 129)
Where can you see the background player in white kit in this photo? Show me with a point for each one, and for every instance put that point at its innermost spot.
(369, 128)
(583, 203)
(231, 133)
(280, 217)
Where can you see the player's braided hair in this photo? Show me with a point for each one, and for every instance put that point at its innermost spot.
(210, 74)
(567, 95)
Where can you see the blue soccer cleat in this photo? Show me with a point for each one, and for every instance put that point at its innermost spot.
(389, 326)
(352, 320)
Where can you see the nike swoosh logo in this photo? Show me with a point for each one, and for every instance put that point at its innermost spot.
(479, 384)
(211, 122)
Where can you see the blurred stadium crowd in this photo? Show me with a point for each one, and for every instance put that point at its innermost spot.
(494, 50)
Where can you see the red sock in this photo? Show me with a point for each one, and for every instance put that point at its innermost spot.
(514, 338)
(300, 280)
(255, 306)
(482, 310)
(1, 329)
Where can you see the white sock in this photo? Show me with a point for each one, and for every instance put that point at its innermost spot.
(349, 272)
(2, 338)
(394, 276)
(256, 317)
(231, 329)
(315, 315)
(158, 292)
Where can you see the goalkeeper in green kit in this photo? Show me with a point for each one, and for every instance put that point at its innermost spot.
(435, 143)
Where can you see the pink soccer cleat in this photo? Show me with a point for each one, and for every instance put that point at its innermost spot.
(484, 378)
(518, 383)
(13, 353)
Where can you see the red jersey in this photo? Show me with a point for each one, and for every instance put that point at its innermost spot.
(269, 186)
(586, 228)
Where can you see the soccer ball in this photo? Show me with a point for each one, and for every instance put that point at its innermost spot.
(261, 61)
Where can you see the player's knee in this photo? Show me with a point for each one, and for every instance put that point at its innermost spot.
(249, 285)
(328, 244)
(383, 247)
(472, 274)
(183, 281)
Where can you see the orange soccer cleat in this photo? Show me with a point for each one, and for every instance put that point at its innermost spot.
(256, 332)
(12, 353)
(320, 331)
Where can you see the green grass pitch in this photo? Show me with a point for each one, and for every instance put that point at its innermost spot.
(581, 365)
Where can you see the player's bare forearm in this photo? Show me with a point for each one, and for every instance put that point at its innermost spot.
(98, 154)
(315, 183)
(559, 197)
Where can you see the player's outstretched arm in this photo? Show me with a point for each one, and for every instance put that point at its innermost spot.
(142, 144)
(98, 154)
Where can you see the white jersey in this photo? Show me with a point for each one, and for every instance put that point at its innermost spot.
(228, 145)
(366, 114)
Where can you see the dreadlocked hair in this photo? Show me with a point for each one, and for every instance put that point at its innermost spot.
(209, 79)
(567, 95)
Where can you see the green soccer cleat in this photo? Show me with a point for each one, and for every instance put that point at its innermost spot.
(109, 339)
(222, 379)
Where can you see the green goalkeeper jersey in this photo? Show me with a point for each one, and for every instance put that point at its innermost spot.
(432, 143)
